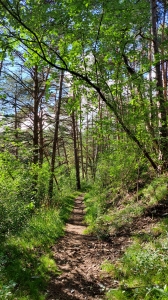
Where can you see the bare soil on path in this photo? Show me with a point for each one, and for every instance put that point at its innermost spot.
(79, 258)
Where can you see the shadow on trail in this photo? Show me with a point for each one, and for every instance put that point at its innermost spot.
(79, 257)
(75, 288)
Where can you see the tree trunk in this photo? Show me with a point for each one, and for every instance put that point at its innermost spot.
(66, 157)
(36, 117)
(41, 148)
(57, 115)
(87, 143)
(16, 126)
(84, 77)
(81, 143)
(160, 93)
(78, 185)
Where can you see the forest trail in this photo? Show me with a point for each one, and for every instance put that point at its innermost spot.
(79, 258)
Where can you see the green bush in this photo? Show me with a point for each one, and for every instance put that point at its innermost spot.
(141, 272)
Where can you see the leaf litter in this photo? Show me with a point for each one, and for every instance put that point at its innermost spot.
(79, 256)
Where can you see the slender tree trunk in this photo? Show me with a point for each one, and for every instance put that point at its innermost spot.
(16, 126)
(94, 152)
(47, 158)
(57, 115)
(87, 143)
(35, 130)
(78, 185)
(96, 87)
(100, 137)
(37, 97)
(152, 115)
(164, 64)
(66, 157)
(80, 139)
(36, 117)
(41, 148)
(160, 93)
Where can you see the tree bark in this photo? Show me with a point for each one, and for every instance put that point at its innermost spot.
(57, 115)
(78, 184)
(16, 125)
(36, 117)
(41, 141)
(160, 93)
(84, 77)
(81, 142)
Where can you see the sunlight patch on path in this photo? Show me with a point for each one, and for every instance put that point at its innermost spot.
(78, 229)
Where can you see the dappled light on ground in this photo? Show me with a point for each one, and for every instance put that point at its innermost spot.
(79, 258)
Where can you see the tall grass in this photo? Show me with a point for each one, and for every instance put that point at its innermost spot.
(142, 271)
(26, 261)
(108, 213)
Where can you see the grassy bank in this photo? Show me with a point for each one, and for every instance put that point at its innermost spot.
(141, 271)
(26, 262)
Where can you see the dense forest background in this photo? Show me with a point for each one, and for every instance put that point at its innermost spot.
(83, 106)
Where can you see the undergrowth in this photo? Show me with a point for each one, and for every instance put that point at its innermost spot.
(106, 213)
(141, 272)
(26, 261)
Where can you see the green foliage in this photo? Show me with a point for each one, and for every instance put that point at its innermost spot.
(106, 45)
(107, 32)
(113, 169)
(29, 227)
(107, 212)
(19, 192)
(26, 261)
(156, 190)
(95, 208)
(66, 178)
(116, 180)
(141, 272)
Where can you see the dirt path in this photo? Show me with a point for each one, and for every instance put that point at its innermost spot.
(79, 257)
